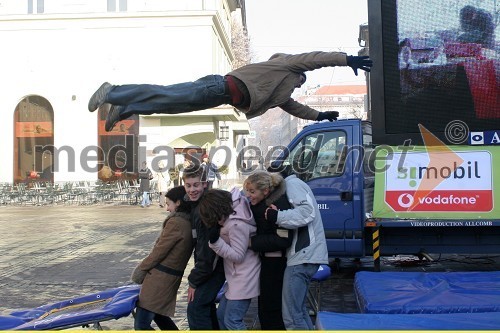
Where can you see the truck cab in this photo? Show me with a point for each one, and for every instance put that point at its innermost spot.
(329, 157)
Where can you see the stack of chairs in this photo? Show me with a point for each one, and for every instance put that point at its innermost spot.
(74, 193)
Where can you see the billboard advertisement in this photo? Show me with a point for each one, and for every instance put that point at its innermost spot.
(453, 183)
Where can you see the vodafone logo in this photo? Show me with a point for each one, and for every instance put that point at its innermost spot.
(405, 200)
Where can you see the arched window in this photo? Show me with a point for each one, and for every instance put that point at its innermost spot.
(33, 140)
(118, 148)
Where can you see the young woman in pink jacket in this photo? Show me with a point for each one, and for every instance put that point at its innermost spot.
(231, 224)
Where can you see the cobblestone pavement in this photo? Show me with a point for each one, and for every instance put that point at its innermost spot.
(53, 253)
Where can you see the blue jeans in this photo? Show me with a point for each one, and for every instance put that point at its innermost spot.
(143, 319)
(231, 313)
(145, 199)
(201, 312)
(204, 93)
(295, 285)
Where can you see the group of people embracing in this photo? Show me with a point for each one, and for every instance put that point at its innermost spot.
(266, 241)
(269, 247)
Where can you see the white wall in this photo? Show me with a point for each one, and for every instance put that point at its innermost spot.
(65, 59)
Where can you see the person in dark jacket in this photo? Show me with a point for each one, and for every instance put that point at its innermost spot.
(145, 175)
(207, 276)
(160, 273)
(252, 89)
(211, 172)
(477, 27)
(264, 189)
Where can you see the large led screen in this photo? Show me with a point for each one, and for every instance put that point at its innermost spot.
(440, 68)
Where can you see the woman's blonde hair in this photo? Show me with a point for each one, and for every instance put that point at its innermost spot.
(263, 180)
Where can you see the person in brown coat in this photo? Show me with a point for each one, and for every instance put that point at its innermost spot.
(160, 273)
(252, 89)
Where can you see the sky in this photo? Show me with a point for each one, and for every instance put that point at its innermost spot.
(297, 26)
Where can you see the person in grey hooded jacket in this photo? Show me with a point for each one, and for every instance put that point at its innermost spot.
(252, 89)
(307, 253)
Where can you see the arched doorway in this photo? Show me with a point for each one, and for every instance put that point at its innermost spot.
(33, 140)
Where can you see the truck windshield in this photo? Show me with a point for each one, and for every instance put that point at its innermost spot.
(318, 155)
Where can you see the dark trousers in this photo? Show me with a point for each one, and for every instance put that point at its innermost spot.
(205, 93)
(271, 285)
(201, 312)
(143, 319)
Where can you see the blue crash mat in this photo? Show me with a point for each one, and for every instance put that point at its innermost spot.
(371, 321)
(109, 304)
(417, 292)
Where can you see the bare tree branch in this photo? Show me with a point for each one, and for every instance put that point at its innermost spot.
(240, 43)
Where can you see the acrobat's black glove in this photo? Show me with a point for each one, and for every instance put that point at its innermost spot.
(363, 63)
(213, 233)
(330, 115)
(271, 215)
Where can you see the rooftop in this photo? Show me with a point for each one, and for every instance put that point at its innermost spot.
(342, 90)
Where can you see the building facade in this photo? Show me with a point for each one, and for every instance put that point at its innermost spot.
(56, 53)
(351, 101)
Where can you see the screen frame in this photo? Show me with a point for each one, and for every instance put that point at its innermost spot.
(383, 46)
(376, 82)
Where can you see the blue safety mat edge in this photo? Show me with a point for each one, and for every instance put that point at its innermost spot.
(369, 321)
(106, 305)
(427, 292)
